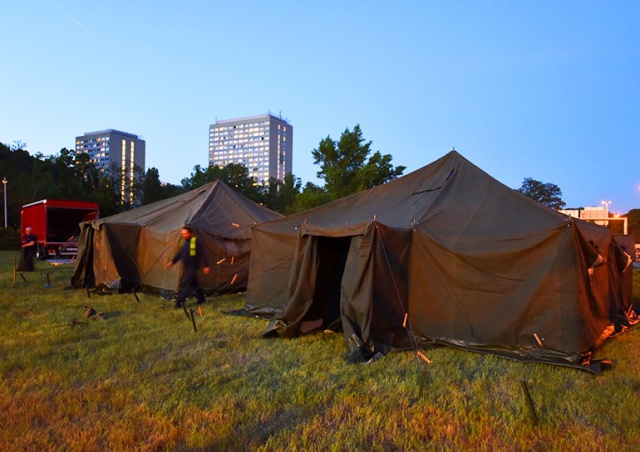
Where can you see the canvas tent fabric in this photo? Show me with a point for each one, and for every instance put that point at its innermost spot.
(129, 250)
(446, 254)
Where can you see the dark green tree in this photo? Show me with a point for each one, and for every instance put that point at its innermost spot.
(198, 178)
(312, 196)
(17, 166)
(281, 195)
(235, 175)
(107, 197)
(345, 168)
(152, 190)
(156, 190)
(547, 194)
(86, 172)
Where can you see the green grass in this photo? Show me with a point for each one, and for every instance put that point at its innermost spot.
(143, 379)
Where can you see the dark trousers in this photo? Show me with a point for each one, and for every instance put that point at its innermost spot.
(189, 287)
(26, 259)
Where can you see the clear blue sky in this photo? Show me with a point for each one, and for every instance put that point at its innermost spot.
(542, 89)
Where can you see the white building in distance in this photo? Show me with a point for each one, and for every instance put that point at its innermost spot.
(263, 144)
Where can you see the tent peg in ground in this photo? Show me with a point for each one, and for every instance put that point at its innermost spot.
(184, 308)
(530, 405)
(193, 320)
(422, 380)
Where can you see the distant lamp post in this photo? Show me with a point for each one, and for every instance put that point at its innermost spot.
(606, 205)
(4, 189)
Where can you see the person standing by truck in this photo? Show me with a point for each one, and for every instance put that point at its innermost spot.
(192, 255)
(28, 250)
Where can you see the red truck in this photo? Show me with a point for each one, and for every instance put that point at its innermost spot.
(56, 225)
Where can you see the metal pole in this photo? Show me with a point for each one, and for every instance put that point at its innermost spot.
(4, 189)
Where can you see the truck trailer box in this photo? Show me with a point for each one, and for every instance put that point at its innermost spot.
(56, 224)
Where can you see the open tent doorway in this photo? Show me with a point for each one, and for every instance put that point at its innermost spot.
(324, 311)
(356, 283)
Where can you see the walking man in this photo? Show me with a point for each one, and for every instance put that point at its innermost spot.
(193, 256)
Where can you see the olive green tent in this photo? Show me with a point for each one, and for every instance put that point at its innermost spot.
(129, 250)
(447, 255)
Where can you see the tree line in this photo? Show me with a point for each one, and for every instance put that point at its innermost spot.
(347, 166)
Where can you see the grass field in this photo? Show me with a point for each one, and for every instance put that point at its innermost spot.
(142, 379)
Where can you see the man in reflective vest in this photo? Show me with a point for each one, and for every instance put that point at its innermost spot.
(193, 256)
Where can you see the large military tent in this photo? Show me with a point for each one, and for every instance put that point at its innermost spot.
(446, 255)
(128, 250)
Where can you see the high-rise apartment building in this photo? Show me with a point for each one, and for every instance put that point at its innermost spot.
(264, 144)
(113, 150)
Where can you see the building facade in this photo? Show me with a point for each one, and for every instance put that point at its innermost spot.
(263, 144)
(597, 215)
(113, 150)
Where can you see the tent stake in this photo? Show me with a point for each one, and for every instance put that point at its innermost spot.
(538, 340)
(184, 308)
(424, 358)
(135, 295)
(422, 380)
(532, 408)
(423, 373)
(193, 320)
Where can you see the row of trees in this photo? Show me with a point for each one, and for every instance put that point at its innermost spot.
(346, 166)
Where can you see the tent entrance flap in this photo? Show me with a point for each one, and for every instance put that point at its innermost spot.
(331, 260)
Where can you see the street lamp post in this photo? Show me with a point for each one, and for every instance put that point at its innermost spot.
(4, 189)
(606, 208)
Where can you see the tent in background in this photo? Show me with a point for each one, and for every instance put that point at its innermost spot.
(128, 250)
(446, 254)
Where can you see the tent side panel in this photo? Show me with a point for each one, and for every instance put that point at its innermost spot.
(374, 287)
(123, 243)
(501, 299)
(390, 290)
(104, 268)
(356, 301)
(270, 264)
(83, 272)
(229, 262)
(156, 247)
